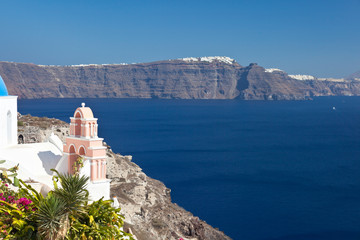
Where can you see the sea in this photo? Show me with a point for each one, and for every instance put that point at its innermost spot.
(257, 170)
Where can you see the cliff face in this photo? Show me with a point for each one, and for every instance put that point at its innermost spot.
(184, 79)
(167, 79)
(257, 84)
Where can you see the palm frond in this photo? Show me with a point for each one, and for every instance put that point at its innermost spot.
(72, 191)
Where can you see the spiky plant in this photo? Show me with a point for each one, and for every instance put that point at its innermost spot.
(72, 191)
(50, 217)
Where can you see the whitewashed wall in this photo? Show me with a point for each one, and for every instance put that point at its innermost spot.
(8, 120)
(99, 189)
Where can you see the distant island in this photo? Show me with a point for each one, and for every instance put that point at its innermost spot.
(186, 78)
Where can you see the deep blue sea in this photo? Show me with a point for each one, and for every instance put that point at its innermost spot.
(257, 170)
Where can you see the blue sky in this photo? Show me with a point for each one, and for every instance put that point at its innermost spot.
(318, 37)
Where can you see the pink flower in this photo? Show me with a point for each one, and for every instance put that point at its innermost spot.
(24, 201)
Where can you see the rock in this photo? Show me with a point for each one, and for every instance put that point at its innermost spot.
(38, 129)
(147, 207)
(257, 84)
(191, 78)
(163, 79)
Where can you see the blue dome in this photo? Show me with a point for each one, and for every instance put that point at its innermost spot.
(3, 90)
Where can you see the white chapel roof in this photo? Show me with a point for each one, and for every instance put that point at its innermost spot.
(35, 160)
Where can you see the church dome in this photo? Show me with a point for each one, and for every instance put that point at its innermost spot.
(3, 90)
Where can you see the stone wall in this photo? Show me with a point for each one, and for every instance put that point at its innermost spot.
(38, 129)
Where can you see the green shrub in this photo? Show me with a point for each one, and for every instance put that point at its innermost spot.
(65, 213)
(99, 220)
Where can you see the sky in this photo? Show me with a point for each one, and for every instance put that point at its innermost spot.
(317, 37)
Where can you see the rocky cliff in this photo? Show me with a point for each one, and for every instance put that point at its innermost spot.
(147, 207)
(165, 79)
(145, 202)
(189, 78)
(257, 83)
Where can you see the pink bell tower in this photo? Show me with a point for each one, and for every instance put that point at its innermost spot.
(84, 141)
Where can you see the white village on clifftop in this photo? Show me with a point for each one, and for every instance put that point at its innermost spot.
(36, 160)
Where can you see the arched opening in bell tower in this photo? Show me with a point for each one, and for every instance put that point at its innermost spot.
(78, 124)
(82, 151)
(71, 159)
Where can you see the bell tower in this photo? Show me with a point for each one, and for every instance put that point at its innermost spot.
(84, 142)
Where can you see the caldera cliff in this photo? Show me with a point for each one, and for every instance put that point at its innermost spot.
(189, 78)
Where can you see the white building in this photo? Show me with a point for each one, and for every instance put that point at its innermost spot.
(35, 160)
(8, 117)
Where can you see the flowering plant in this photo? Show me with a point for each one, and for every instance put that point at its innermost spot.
(78, 164)
(14, 213)
(5, 176)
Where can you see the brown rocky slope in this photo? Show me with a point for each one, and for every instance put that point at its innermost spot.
(184, 79)
(147, 207)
